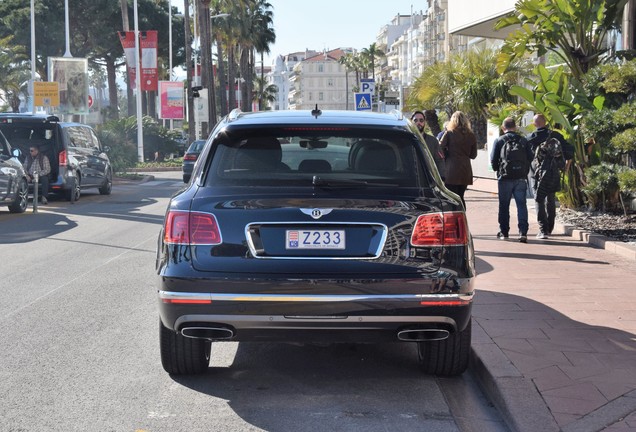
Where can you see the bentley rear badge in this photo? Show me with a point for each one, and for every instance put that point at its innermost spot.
(316, 213)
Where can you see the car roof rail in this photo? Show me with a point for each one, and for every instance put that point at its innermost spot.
(234, 114)
(399, 115)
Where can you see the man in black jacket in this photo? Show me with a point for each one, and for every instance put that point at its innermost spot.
(546, 201)
(512, 171)
(431, 142)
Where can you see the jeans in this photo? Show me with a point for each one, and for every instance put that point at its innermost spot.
(507, 190)
(546, 212)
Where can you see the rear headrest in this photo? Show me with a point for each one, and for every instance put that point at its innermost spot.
(373, 156)
(314, 165)
(259, 153)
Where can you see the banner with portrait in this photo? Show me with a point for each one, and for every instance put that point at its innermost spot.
(71, 74)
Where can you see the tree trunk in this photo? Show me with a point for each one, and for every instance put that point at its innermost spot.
(207, 75)
(244, 66)
(189, 70)
(231, 78)
(221, 78)
(111, 76)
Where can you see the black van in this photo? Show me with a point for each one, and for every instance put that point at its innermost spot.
(77, 158)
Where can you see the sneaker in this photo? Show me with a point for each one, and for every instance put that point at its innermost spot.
(502, 236)
(44, 201)
(523, 239)
(542, 236)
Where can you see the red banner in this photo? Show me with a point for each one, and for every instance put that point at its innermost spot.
(128, 43)
(149, 73)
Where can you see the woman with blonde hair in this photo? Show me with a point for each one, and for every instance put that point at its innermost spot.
(459, 145)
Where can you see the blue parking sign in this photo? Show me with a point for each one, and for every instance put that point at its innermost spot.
(363, 101)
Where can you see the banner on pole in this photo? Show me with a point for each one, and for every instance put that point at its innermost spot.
(149, 72)
(71, 74)
(171, 101)
(128, 44)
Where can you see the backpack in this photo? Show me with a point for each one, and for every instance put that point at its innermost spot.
(514, 158)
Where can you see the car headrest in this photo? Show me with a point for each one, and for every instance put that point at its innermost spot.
(314, 165)
(373, 156)
(260, 153)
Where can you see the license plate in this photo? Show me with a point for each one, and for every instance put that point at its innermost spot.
(315, 239)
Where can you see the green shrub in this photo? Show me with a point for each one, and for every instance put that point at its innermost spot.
(602, 188)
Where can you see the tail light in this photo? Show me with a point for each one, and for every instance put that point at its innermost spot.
(62, 160)
(192, 228)
(440, 229)
(190, 157)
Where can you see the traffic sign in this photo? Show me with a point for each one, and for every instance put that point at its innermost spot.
(363, 101)
(90, 101)
(367, 86)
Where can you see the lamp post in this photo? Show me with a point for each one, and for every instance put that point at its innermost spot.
(140, 130)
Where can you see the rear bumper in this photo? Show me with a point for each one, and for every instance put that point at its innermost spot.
(314, 317)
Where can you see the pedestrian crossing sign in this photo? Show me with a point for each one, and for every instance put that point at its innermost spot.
(363, 101)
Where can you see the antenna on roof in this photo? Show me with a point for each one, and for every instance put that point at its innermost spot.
(316, 112)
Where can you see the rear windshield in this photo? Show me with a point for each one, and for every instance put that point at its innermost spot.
(299, 157)
(22, 135)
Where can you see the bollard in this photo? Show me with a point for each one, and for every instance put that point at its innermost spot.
(36, 180)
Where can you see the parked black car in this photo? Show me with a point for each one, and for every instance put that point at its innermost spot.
(77, 158)
(14, 189)
(190, 157)
(310, 227)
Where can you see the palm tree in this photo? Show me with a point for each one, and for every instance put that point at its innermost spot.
(266, 92)
(372, 53)
(347, 61)
(14, 73)
(468, 82)
(265, 36)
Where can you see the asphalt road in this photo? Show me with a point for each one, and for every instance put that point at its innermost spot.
(79, 338)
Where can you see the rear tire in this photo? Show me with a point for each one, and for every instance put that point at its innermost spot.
(75, 191)
(107, 187)
(448, 357)
(181, 355)
(19, 205)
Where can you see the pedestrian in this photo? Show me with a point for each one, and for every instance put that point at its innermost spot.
(459, 146)
(510, 159)
(431, 142)
(37, 163)
(551, 153)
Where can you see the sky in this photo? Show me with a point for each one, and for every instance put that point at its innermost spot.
(331, 24)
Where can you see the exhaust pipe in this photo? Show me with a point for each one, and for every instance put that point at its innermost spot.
(422, 335)
(209, 333)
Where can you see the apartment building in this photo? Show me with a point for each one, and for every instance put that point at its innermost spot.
(279, 76)
(321, 80)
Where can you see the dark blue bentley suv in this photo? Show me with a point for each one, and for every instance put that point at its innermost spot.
(310, 226)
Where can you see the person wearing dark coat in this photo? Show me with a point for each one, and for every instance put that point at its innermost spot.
(459, 145)
(431, 142)
(545, 198)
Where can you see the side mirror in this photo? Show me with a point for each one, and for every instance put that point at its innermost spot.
(16, 153)
(106, 149)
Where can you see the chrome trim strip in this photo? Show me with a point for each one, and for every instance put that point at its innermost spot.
(171, 295)
(383, 228)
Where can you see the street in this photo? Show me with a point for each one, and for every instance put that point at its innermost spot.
(80, 337)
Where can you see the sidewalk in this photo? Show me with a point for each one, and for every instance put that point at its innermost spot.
(554, 324)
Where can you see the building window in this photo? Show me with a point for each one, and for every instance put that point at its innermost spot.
(321, 96)
(330, 82)
(311, 96)
(321, 68)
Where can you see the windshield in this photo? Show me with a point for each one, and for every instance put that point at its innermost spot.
(307, 158)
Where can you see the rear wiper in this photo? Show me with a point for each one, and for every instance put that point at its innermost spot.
(327, 183)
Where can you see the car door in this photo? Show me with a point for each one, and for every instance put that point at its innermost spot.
(83, 148)
(97, 160)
